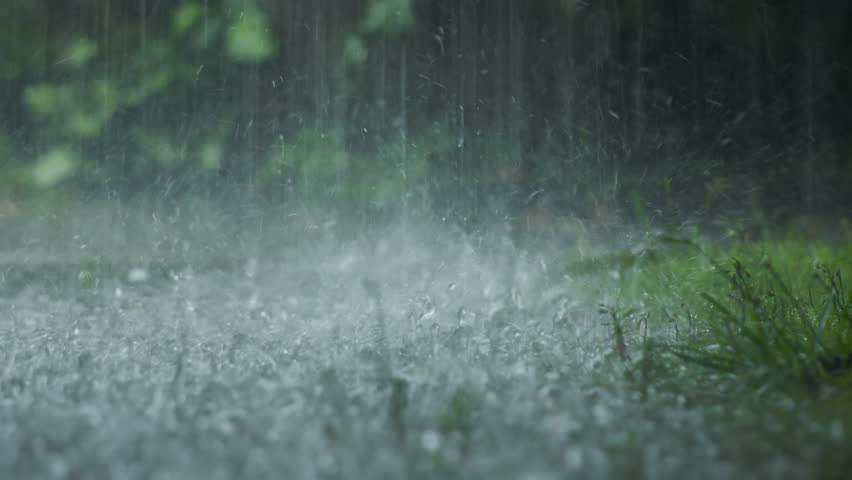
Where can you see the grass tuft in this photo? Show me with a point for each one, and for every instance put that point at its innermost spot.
(772, 311)
(761, 327)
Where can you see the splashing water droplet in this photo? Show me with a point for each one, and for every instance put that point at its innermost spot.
(138, 275)
(430, 441)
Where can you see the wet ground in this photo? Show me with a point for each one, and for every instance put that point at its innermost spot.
(163, 342)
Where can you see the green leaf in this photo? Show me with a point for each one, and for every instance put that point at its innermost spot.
(151, 84)
(54, 167)
(211, 155)
(78, 52)
(249, 38)
(186, 16)
(390, 16)
(160, 149)
(83, 124)
(78, 110)
(354, 50)
(46, 99)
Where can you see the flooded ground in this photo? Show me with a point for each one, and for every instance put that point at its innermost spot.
(157, 342)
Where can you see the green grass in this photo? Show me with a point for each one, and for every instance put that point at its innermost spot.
(761, 327)
(759, 332)
(771, 311)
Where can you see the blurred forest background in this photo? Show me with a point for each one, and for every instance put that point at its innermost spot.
(612, 110)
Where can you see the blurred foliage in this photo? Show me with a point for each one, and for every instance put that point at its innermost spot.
(355, 51)
(314, 163)
(80, 110)
(53, 167)
(316, 169)
(249, 38)
(392, 16)
(593, 108)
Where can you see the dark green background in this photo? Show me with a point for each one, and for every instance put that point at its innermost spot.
(657, 109)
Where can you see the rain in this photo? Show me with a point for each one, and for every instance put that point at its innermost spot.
(320, 239)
